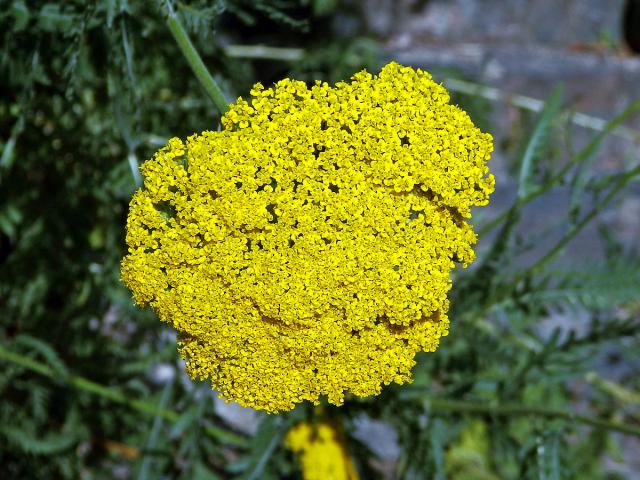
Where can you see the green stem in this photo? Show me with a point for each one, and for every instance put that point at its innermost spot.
(521, 410)
(534, 105)
(617, 391)
(508, 410)
(195, 61)
(264, 52)
(581, 156)
(557, 248)
(577, 228)
(113, 395)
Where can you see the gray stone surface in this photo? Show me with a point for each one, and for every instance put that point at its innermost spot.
(245, 420)
(551, 22)
(379, 436)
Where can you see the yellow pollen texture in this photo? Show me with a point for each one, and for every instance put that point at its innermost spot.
(306, 249)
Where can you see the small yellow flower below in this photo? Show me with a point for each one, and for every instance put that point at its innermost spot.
(322, 453)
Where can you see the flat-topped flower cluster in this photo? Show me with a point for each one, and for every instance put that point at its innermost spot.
(306, 248)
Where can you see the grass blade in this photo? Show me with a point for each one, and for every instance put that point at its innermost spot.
(538, 144)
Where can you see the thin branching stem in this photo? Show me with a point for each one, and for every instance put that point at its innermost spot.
(617, 391)
(508, 410)
(114, 395)
(195, 60)
(560, 175)
(515, 410)
(558, 247)
(534, 105)
(577, 228)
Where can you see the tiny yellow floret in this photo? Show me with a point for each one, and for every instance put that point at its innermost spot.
(306, 248)
(322, 452)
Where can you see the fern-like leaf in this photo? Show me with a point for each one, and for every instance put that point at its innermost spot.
(602, 286)
(585, 158)
(45, 350)
(50, 444)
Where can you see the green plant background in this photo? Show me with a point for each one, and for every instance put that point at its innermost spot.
(91, 89)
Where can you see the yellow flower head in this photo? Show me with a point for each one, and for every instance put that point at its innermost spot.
(322, 452)
(305, 250)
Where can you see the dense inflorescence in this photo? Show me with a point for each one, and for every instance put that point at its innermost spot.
(321, 451)
(306, 248)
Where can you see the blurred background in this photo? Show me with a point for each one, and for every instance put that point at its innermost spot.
(92, 387)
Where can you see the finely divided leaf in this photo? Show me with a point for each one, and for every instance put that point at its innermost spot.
(585, 157)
